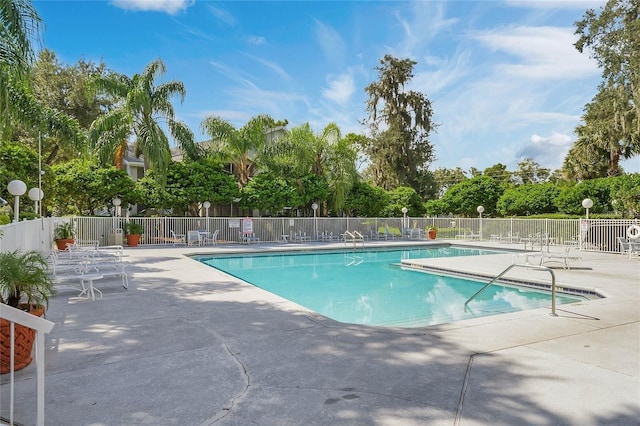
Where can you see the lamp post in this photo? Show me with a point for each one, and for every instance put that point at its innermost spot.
(480, 210)
(587, 203)
(36, 194)
(314, 206)
(116, 212)
(206, 206)
(404, 218)
(116, 204)
(16, 188)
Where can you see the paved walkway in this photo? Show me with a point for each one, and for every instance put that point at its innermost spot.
(187, 345)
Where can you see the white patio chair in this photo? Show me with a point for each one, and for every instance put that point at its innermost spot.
(212, 238)
(193, 238)
(628, 247)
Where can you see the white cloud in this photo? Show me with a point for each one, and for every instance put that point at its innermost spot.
(171, 7)
(223, 15)
(427, 19)
(538, 52)
(447, 73)
(256, 40)
(466, 163)
(273, 67)
(555, 4)
(548, 151)
(229, 72)
(340, 88)
(331, 43)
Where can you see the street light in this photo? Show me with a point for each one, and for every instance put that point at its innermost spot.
(587, 203)
(116, 204)
(314, 206)
(206, 206)
(36, 194)
(16, 188)
(404, 218)
(480, 210)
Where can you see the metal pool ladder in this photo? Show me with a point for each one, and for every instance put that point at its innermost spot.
(538, 268)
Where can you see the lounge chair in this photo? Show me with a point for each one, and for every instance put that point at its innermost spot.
(413, 233)
(86, 264)
(386, 234)
(178, 238)
(249, 238)
(563, 257)
(300, 237)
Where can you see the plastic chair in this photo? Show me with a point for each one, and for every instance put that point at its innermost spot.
(178, 238)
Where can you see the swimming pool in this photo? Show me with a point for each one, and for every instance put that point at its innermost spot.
(368, 286)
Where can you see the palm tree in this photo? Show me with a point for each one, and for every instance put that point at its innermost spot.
(323, 154)
(241, 148)
(143, 111)
(19, 26)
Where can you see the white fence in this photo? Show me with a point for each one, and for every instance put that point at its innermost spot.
(597, 235)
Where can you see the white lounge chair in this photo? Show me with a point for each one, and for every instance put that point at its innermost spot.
(178, 238)
(300, 237)
(86, 264)
(563, 257)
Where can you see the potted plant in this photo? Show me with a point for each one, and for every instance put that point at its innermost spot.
(432, 232)
(63, 234)
(25, 284)
(133, 230)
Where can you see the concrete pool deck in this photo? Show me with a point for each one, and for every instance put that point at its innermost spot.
(188, 345)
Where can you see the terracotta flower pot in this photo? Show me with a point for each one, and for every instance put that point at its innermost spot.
(432, 234)
(62, 244)
(23, 342)
(133, 240)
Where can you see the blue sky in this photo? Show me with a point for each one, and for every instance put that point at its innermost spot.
(503, 76)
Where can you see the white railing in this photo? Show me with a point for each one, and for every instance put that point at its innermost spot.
(41, 326)
(595, 234)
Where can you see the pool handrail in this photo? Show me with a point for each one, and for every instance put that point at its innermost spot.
(538, 268)
(353, 237)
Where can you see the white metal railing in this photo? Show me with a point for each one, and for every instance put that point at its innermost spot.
(41, 327)
(516, 265)
(594, 234)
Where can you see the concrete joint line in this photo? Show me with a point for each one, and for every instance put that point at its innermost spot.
(463, 391)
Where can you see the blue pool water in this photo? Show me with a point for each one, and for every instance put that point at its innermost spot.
(365, 287)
